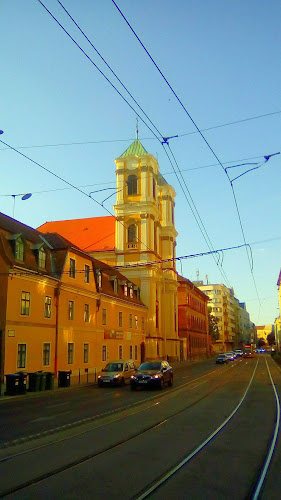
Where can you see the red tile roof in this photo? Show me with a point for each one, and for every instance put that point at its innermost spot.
(91, 234)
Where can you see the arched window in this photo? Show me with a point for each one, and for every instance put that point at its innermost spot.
(132, 183)
(132, 233)
(153, 187)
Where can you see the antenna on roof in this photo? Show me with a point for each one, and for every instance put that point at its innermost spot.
(137, 130)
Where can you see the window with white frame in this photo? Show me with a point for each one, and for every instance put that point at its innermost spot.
(104, 354)
(87, 313)
(72, 268)
(120, 319)
(25, 303)
(86, 353)
(48, 307)
(136, 321)
(46, 353)
(104, 316)
(71, 309)
(87, 274)
(120, 352)
(21, 362)
(70, 353)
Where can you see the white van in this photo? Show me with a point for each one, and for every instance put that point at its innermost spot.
(117, 373)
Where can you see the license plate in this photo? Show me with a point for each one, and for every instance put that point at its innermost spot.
(143, 382)
(107, 381)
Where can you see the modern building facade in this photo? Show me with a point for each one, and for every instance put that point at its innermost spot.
(224, 307)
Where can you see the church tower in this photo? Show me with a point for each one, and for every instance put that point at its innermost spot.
(145, 241)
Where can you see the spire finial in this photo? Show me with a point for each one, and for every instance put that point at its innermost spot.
(137, 129)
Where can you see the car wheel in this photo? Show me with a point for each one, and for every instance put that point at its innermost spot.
(100, 384)
(122, 381)
(161, 384)
(171, 381)
(133, 388)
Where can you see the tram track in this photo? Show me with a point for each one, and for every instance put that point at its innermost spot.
(168, 396)
(155, 487)
(262, 467)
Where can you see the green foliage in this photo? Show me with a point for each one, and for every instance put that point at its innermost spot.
(213, 326)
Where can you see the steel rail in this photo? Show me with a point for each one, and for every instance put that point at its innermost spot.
(92, 455)
(266, 465)
(183, 462)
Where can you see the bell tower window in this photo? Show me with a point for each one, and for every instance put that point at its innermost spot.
(132, 233)
(132, 183)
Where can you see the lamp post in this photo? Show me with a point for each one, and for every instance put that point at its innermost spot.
(23, 197)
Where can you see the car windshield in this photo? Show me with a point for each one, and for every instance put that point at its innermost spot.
(113, 367)
(221, 356)
(150, 366)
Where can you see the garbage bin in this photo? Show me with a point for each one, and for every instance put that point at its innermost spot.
(34, 382)
(42, 382)
(50, 378)
(64, 379)
(12, 384)
(22, 382)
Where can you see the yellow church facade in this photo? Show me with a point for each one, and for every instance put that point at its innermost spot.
(140, 241)
(145, 243)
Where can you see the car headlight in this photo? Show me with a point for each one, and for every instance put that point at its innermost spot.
(155, 376)
(99, 376)
(116, 376)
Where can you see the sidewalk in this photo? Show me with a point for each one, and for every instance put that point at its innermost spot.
(3, 397)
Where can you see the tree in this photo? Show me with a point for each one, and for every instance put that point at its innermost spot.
(213, 326)
(271, 339)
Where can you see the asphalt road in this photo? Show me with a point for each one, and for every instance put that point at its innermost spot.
(121, 455)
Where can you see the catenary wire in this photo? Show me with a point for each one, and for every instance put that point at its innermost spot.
(108, 66)
(129, 266)
(145, 138)
(99, 70)
(164, 139)
(69, 184)
(202, 136)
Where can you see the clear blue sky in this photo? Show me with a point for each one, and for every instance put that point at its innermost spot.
(223, 61)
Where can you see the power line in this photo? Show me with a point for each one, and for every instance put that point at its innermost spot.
(99, 70)
(126, 266)
(165, 139)
(106, 141)
(201, 134)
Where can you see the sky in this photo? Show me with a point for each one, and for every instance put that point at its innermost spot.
(221, 62)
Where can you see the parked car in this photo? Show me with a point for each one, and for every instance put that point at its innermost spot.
(221, 358)
(117, 373)
(230, 356)
(153, 374)
(239, 352)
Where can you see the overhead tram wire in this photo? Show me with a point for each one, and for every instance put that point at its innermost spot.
(69, 184)
(164, 139)
(108, 66)
(105, 141)
(204, 231)
(140, 264)
(201, 134)
(99, 70)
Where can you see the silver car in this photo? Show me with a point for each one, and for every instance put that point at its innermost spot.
(117, 373)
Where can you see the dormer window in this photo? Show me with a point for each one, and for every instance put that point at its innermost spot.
(19, 249)
(131, 292)
(132, 183)
(126, 290)
(42, 258)
(115, 284)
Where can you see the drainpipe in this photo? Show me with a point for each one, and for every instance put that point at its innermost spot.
(57, 296)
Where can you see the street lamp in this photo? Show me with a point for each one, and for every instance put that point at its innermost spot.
(23, 197)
